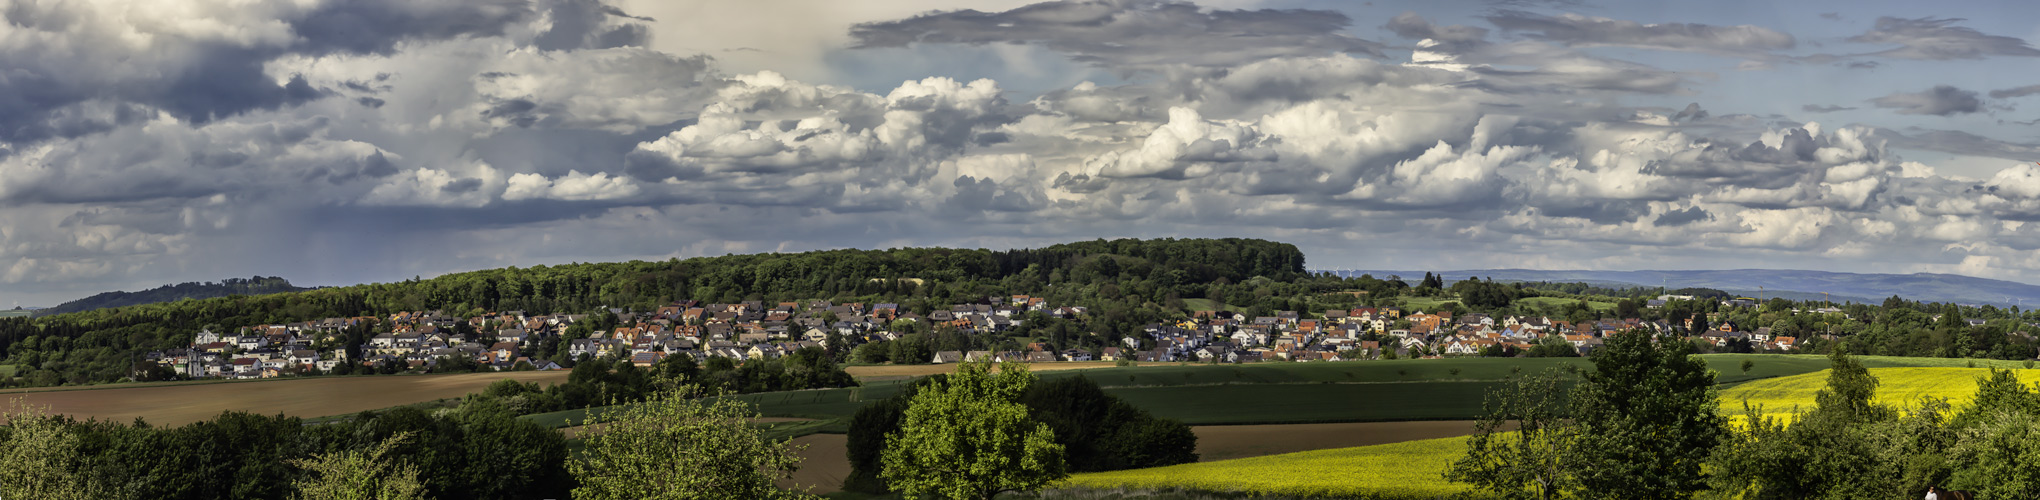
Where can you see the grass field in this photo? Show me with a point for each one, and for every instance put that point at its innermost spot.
(1899, 387)
(862, 372)
(1407, 470)
(8, 370)
(1202, 305)
(11, 313)
(1554, 303)
(312, 397)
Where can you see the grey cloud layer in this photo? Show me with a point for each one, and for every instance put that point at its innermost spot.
(529, 132)
(1131, 32)
(1939, 39)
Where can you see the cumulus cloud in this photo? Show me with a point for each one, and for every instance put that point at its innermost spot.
(575, 186)
(1929, 38)
(1942, 100)
(1131, 33)
(463, 135)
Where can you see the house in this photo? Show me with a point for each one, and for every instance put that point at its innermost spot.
(977, 356)
(1110, 354)
(640, 360)
(945, 357)
(1040, 357)
(1076, 355)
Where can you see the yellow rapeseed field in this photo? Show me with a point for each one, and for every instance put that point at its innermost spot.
(1407, 470)
(1899, 387)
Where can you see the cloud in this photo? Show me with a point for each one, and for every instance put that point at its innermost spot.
(575, 186)
(1131, 33)
(1819, 108)
(1412, 26)
(1677, 218)
(1942, 100)
(2015, 92)
(1929, 38)
(1586, 31)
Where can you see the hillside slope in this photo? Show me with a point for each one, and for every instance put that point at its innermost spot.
(259, 285)
(1859, 287)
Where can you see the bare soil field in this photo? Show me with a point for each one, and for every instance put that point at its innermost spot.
(1225, 442)
(823, 464)
(315, 397)
(902, 371)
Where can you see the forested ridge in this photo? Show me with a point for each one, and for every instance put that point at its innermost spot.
(1114, 278)
(258, 285)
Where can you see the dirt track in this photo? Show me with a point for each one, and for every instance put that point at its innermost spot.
(173, 405)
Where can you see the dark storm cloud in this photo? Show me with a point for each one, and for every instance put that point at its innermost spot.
(1578, 30)
(1121, 33)
(1942, 100)
(590, 24)
(2015, 92)
(1412, 26)
(215, 78)
(1682, 217)
(375, 26)
(1938, 39)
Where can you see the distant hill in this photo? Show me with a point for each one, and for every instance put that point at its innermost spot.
(258, 285)
(1790, 284)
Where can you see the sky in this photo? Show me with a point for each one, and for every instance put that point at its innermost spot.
(334, 142)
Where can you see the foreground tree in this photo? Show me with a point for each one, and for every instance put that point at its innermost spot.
(40, 458)
(968, 437)
(1638, 426)
(1537, 460)
(675, 447)
(360, 475)
(1648, 419)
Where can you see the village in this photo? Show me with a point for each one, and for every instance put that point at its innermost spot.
(514, 340)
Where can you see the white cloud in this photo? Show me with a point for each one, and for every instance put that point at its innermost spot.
(575, 186)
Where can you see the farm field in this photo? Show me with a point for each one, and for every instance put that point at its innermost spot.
(1391, 471)
(1900, 387)
(312, 397)
(1227, 442)
(823, 465)
(1553, 303)
(13, 313)
(862, 372)
(1202, 305)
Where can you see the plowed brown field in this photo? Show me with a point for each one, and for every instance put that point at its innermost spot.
(173, 405)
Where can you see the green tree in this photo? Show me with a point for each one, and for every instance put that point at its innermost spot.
(359, 475)
(675, 447)
(1647, 418)
(40, 457)
(1538, 459)
(969, 437)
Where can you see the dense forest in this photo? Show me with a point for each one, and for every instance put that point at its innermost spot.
(1121, 281)
(259, 285)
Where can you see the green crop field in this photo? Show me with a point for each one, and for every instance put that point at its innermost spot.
(1554, 303)
(1203, 394)
(1900, 387)
(1392, 471)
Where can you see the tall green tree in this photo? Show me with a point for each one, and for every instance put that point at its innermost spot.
(40, 458)
(1538, 459)
(1647, 419)
(969, 437)
(359, 475)
(673, 446)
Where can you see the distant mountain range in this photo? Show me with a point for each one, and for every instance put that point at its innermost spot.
(258, 285)
(1790, 284)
